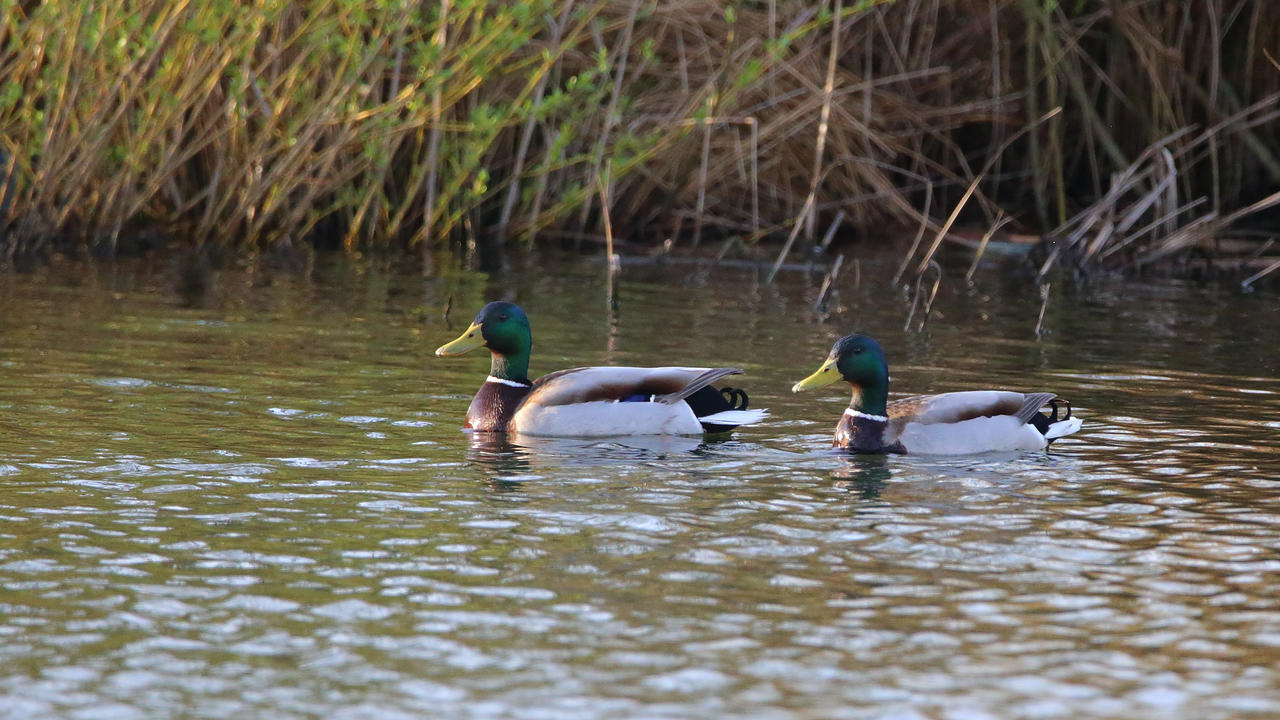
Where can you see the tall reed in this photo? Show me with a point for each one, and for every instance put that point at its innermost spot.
(398, 123)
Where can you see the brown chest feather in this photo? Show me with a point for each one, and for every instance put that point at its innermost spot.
(493, 407)
(862, 434)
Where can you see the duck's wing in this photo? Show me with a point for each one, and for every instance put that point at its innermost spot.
(665, 385)
(608, 401)
(956, 407)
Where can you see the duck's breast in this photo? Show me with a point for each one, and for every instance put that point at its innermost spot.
(494, 405)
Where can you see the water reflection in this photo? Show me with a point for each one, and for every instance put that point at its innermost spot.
(863, 475)
(262, 505)
(518, 457)
(495, 453)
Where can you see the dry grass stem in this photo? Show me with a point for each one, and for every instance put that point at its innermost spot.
(342, 123)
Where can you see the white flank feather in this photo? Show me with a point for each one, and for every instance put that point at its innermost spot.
(735, 417)
(1002, 433)
(1062, 428)
(605, 418)
(568, 387)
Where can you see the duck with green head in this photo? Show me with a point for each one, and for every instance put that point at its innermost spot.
(589, 401)
(947, 424)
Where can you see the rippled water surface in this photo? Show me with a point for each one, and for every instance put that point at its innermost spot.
(256, 502)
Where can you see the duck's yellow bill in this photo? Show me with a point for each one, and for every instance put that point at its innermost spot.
(468, 341)
(825, 375)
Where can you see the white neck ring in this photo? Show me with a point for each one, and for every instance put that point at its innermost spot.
(502, 381)
(866, 416)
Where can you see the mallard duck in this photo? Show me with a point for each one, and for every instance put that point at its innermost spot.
(589, 401)
(954, 423)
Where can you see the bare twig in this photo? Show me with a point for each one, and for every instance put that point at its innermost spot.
(942, 232)
(433, 141)
(982, 246)
(828, 280)
(1247, 283)
(526, 135)
(702, 181)
(611, 111)
(823, 122)
(918, 292)
(611, 264)
(831, 232)
(1044, 305)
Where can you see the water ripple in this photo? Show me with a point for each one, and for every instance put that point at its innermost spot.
(199, 528)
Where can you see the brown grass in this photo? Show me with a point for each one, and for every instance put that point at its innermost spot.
(250, 125)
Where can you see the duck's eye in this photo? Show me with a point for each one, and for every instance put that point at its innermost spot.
(857, 350)
(502, 318)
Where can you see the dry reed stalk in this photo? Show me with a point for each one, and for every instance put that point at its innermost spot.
(755, 175)
(1247, 283)
(918, 293)
(921, 227)
(1044, 305)
(1147, 192)
(610, 260)
(702, 180)
(1203, 229)
(622, 51)
(806, 215)
(824, 119)
(243, 125)
(973, 186)
(982, 245)
(831, 232)
(526, 135)
(828, 281)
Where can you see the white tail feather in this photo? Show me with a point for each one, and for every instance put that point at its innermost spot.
(1058, 429)
(735, 417)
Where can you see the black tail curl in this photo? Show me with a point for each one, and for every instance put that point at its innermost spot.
(736, 398)
(709, 401)
(1042, 422)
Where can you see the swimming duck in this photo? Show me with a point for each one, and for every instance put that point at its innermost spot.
(589, 401)
(954, 423)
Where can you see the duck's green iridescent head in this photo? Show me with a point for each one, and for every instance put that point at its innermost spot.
(502, 328)
(856, 359)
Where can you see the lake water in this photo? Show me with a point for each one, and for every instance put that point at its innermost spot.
(256, 502)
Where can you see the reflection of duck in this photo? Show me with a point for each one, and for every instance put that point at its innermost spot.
(865, 475)
(950, 423)
(594, 451)
(590, 401)
(513, 460)
(496, 452)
